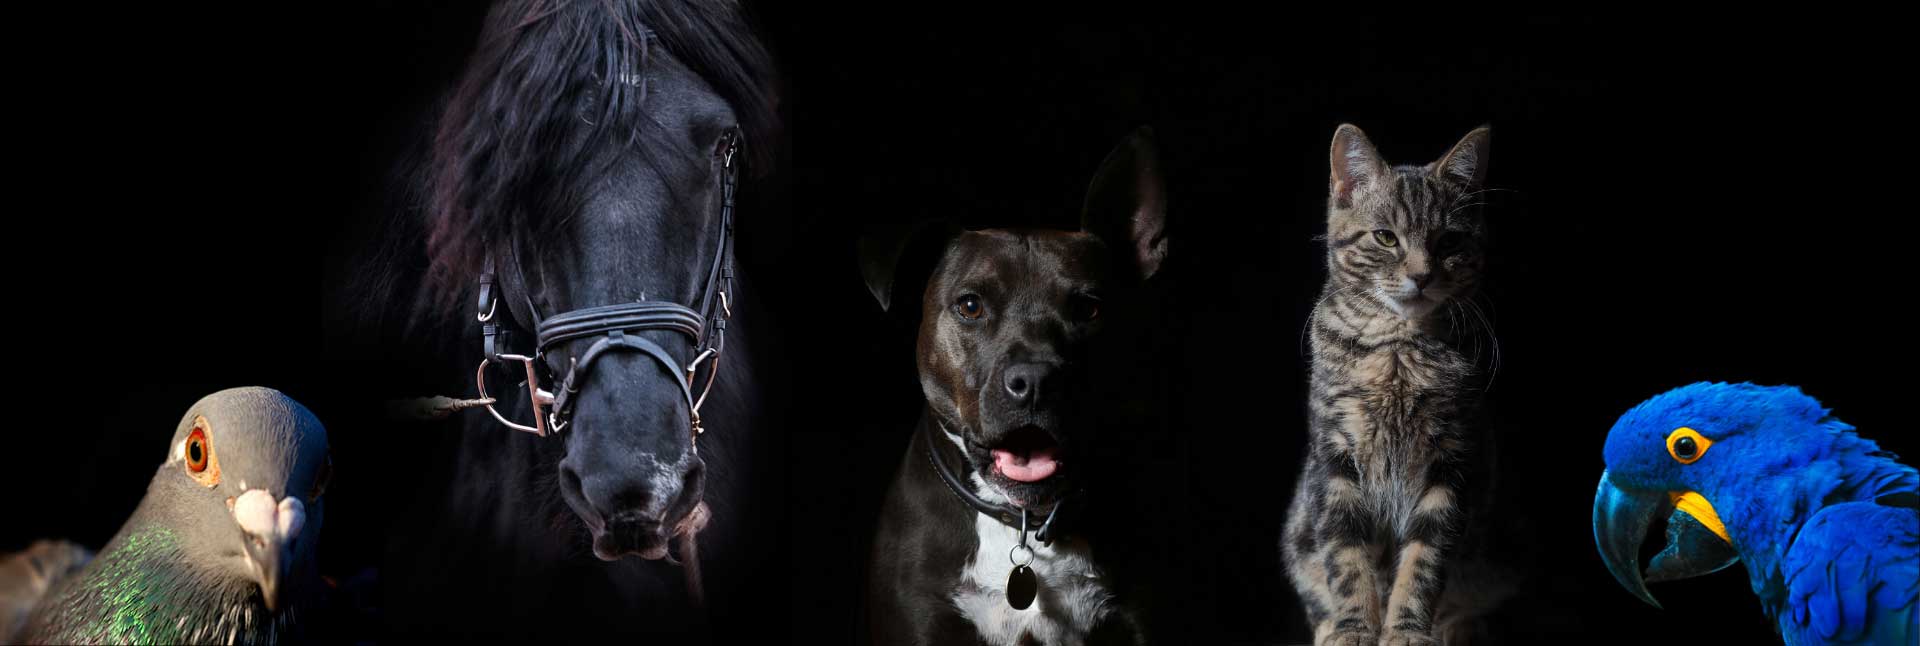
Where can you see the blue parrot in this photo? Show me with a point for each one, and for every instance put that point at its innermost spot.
(1826, 522)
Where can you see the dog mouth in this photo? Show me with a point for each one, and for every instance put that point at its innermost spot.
(1027, 455)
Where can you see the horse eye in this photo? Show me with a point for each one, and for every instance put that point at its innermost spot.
(970, 307)
(1083, 308)
(1385, 238)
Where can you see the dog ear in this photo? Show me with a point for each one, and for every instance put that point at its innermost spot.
(884, 255)
(1127, 204)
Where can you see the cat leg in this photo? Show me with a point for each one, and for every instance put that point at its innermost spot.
(1418, 569)
(1336, 574)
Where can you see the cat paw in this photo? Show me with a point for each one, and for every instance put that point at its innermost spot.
(1407, 639)
(1350, 638)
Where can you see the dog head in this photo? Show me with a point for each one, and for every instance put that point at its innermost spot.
(1006, 318)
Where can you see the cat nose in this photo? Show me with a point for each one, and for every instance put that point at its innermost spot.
(1420, 280)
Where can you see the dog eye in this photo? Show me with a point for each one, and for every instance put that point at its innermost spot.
(1386, 238)
(969, 307)
(1083, 308)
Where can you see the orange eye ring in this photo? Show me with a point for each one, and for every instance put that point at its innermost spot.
(203, 464)
(197, 450)
(1687, 445)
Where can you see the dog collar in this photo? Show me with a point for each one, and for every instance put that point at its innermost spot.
(1008, 515)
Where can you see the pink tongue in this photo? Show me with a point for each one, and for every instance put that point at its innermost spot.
(1033, 467)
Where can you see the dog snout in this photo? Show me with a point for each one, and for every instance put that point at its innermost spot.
(1025, 382)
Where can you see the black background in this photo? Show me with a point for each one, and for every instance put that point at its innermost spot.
(1689, 202)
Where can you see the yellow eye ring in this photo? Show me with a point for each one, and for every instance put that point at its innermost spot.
(1687, 445)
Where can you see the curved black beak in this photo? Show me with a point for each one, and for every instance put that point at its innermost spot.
(1692, 550)
(1620, 521)
(1697, 542)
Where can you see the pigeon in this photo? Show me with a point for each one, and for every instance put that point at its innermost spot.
(221, 549)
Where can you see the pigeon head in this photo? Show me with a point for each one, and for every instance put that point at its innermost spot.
(241, 488)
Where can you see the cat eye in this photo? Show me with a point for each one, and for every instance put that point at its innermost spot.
(1687, 445)
(1452, 240)
(1386, 238)
(969, 307)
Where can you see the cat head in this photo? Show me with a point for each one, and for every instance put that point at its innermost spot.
(1407, 237)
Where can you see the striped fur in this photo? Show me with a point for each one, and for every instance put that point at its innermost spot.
(1377, 535)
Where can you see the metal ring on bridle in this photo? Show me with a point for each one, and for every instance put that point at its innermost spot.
(539, 398)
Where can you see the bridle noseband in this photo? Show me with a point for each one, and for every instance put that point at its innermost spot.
(705, 328)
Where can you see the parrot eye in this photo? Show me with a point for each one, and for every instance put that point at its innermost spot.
(1687, 445)
(202, 464)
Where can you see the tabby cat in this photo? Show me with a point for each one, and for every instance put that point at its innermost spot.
(1379, 538)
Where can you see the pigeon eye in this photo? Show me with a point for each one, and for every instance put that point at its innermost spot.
(1687, 445)
(970, 307)
(321, 481)
(202, 464)
(1386, 238)
(197, 451)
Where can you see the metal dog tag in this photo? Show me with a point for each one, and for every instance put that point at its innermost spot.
(1021, 586)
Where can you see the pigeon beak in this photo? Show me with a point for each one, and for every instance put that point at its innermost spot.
(270, 531)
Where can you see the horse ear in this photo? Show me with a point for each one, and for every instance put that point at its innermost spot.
(882, 254)
(1127, 202)
(1355, 163)
(1467, 162)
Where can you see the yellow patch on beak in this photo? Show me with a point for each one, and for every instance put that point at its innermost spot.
(1697, 506)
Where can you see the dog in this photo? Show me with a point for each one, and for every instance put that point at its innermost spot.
(977, 540)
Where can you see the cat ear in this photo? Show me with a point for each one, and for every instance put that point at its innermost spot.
(1354, 162)
(1467, 162)
(1127, 204)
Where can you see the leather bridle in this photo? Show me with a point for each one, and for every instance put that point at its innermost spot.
(704, 325)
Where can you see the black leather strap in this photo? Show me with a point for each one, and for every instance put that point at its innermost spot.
(1048, 526)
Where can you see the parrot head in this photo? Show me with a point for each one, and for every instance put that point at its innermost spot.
(1678, 453)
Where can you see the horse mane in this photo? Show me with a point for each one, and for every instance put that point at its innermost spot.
(510, 148)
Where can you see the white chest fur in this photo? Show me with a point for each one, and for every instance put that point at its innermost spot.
(1072, 599)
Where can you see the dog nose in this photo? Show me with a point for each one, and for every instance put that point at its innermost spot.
(1023, 381)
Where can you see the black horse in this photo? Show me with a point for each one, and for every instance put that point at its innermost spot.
(584, 160)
